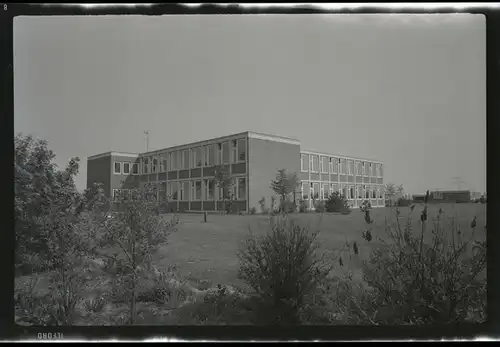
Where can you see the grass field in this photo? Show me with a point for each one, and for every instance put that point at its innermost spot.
(208, 250)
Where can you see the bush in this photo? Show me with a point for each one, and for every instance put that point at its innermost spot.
(303, 206)
(337, 203)
(252, 210)
(283, 269)
(263, 207)
(319, 206)
(419, 282)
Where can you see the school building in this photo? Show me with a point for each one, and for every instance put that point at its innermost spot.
(185, 174)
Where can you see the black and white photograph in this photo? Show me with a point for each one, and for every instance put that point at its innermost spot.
(250, 170)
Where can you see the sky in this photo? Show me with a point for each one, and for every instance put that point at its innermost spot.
(409, 90)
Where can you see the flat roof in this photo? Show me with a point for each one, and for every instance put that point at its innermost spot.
(112, 153)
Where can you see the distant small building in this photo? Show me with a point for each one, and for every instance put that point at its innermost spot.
(456, 196)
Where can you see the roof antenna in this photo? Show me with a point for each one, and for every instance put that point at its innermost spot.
(147, 140)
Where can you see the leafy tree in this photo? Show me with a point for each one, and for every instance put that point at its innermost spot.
(284, 184)
(390, 191)
(224, 181)
(129, 238)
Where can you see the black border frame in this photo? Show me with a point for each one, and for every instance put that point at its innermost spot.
(13, 332)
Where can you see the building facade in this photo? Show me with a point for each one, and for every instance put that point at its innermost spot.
(185, 174)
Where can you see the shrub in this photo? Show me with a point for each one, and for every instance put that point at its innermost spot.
(419, 282)
(252, 210)
(303, 206)
(263, 208)
(319, 206)
(282, 268)
(402, 202)
(336, 203)
(288, 206)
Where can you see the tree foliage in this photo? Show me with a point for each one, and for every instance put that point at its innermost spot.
(284, 184)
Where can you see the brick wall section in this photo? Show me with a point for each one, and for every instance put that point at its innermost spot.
(265, 158)
(99, 171)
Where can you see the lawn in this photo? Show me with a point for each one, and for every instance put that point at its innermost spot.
(208, 250)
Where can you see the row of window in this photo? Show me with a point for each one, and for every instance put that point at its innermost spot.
(191, 190)
(314, 163)
(202, 156)
(350, 191)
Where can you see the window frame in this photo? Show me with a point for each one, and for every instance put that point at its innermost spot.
(136, 165)
(154, 167)
(227, 144)
(316, 191)
(237, 187)
(123, 168)
(324, 168)
(145, 166)
(306, 156)
(207, 189)
(193, 190)
(241, 143)
(327, 185)
(350, 167)
(304, 184)
(114, 168)
(312, 169)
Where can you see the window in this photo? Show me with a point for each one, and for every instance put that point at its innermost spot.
(196, 157)
(314, 163)
(344, 166)
(117, 168)
(209, 155)
(126, 168)
(196, 190)
(371, 169)
(324, 164)
(350, 167)
(357, 196)
(334, 165)
(304, 161)
(242, 150)
(173, 190)
(173, 161)
(145, 165)
(184, 191)
(335, 188)
(234, 151)
(185, 159)
(242, 188)
(326, 191)
(209, 189)
(162, 161)
(225, 153)
(374, 195)
(134, 194)
(154, 166)
(363, 164)
(351, 193)
(381, 170)
(315, 190)
(162, 192)
(116, 194)
(367, 191)
(359, 168)
(135, 169)
(305, 191)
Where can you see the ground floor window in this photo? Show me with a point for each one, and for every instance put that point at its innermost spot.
(196, 190)
(305, 190)
(242, 188)
(209, 189)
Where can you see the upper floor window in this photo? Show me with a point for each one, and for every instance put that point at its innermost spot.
(304, 162)
(209, 155)
(117, 168)
(240, 151)
(173, 161)
(196, 157)
(333, 165)
(350, 167)
(135, 169)
(154, 166)
(185, 159)
(314, 163)
(324, 164)
(225, 153)
(126, 168)
(145, 165)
